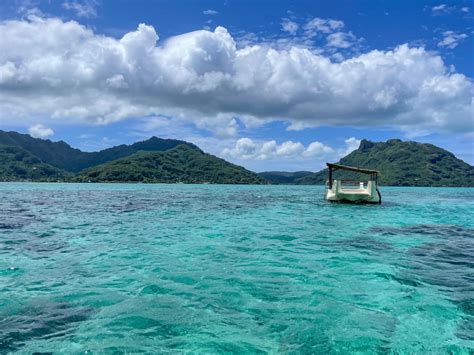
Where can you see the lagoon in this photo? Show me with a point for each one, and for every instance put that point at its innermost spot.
(234, 268)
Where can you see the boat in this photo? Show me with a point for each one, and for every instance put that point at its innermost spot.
(350, 190)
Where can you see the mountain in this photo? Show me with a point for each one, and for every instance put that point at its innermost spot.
(154, 160)
(168, 160)
(179, 164)
(63, 156)
(19, 164)
(283, 177)
(403, 164)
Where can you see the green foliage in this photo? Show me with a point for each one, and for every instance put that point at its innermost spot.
(63, 156)
(154, 160)
(17, 164)
(283, 177)
(403, 164)
(167, 160)
(180, 164)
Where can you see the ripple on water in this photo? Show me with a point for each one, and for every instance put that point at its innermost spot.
(445, 261)
(39, 320)
(247, 269)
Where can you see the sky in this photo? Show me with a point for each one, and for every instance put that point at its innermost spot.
(269, 85)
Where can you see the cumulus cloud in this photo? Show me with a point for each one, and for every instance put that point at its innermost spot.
(289, 26)
(86, 8)
(210, 12)
(451, 39)
(317, 149)
(40, 131)
(289, 155)
(64, 71)
(246, 148)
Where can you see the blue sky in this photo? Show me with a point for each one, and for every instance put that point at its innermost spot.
(270, 85)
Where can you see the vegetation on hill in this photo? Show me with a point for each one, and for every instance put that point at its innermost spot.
(17, 164)
(154, 160)
(179, 164)
(63, 156)
(403, 164)
(168, 160)
(283, 177)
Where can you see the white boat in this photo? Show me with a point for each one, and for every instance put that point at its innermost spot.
(350, 190)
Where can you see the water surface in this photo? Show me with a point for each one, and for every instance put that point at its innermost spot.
(206, 268)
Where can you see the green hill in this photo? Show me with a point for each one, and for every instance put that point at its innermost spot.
(17, 164)
(403, 164)
(168, 160)
(179, 164)
(154, 160)
(63, 156)
(283, 177)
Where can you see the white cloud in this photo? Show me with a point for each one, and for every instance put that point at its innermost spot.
(210, 12)
(246, 148)
(85, 8)
(352, 144)
(317, 149)
(289, 26)
(439, 8)
(341, 40)
(322, 25)
(451, 39)
(444, 9)
(40, 131)
(338, 57)
(289, 155)
(116, 81)
(229, 130)
(64, 71)
(289, 148)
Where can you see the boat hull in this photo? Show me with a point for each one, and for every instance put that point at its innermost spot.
(338, 193)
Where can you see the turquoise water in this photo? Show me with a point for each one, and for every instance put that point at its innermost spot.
(97, 268)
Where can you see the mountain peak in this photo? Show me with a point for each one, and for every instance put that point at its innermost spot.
(394, 141)
(365, 144)
(404, 164)
(160, 144)
(153, 160)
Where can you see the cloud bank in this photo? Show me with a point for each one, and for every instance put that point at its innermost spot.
(65, 72)
(292, 153)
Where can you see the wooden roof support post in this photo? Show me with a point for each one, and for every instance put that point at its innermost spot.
(330, 177)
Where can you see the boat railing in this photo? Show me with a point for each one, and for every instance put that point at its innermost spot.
(354, 184)
(352, 190)
(350, 184)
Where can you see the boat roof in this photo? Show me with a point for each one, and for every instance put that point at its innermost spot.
(351, 168)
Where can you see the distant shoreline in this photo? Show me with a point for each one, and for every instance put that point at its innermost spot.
(190, 183)
(157, 160)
